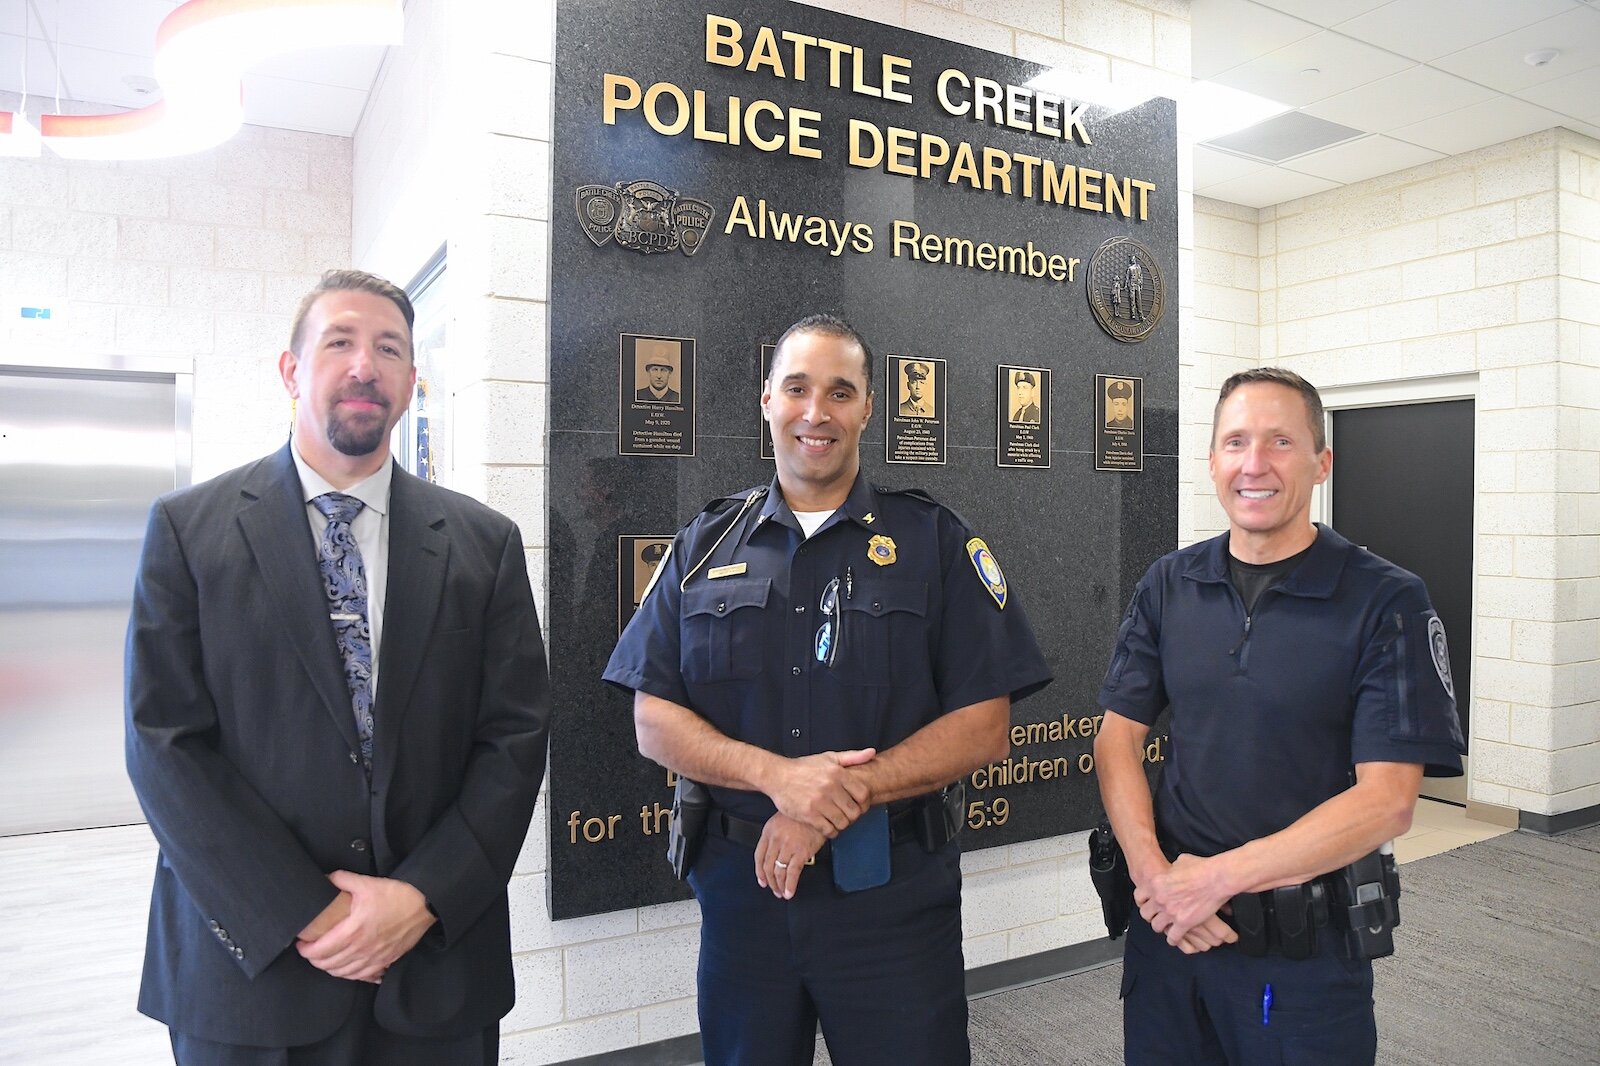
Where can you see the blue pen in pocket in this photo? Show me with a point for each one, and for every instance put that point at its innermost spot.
(1266, 1004)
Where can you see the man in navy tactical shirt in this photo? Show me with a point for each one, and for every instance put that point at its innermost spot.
(1309, 690)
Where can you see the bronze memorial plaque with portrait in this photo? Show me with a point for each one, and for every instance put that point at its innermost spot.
(1119, 422)
(915, 417)
(638, 558)
(1022, 416)
(656, 397)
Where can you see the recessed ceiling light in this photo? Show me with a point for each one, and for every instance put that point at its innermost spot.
(1312, 70)
(141, 84)
(1542, 57)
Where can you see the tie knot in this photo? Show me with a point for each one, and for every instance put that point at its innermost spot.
(337, 506)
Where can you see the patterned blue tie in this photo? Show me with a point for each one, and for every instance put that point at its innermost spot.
(344, 580)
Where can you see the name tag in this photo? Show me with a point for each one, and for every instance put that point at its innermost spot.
(725, 571)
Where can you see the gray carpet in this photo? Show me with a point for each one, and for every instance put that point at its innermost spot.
(1497, 961)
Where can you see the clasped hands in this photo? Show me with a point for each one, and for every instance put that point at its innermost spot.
(817, 797)
(370, 923)
(1183, 902)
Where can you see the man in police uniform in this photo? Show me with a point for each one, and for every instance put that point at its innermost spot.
(1310, 691)
(1027, 408)
(1119, 404)
(916, 402)
(827, 656)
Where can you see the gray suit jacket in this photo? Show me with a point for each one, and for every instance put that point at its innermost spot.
(240, 745)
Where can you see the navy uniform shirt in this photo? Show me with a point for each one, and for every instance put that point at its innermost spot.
(1342, 662)
(914, 631)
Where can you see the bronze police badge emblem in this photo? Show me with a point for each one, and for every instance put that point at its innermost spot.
(643, 216)
(1126, 292)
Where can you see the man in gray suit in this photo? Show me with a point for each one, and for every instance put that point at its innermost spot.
(337, 709)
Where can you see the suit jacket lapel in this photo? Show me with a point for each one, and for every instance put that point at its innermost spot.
(418, 553)
(273, 519)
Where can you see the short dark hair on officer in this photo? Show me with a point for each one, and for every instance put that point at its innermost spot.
(1022, 377)
(352, 281)
(829, 326)
(1272, 375)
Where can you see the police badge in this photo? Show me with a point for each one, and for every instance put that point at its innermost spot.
(643, 216)
(692, 218)
(598, 207)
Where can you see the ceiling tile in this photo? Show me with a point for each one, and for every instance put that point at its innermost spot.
(128, 27)
(1323, 12)
(96, 76)
(1577, 95)
(1270, 185)
(1491, 122)
(298, 105)
(13, 19)
(1212, 166)
(1499, 65)
(349, 68)
(1400, 99)
(1342, 64)
(1428, 29)
(1359, 160)
(1226, 33)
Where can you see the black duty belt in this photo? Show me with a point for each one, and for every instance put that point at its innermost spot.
(744, 831)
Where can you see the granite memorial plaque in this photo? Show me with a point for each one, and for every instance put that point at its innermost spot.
(717, 178)
(638, 559)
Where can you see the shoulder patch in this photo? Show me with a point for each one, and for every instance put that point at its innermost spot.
(988, 568)
(1441, 654)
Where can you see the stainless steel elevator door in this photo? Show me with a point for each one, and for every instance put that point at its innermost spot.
(82, 456)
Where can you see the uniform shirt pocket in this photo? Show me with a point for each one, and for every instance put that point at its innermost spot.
(884, 637)
(723, 624)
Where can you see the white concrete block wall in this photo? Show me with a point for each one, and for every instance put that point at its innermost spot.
(617, 980)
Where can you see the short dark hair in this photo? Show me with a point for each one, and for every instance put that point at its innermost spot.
(1272, 375)
(828, 326)
(353, 281)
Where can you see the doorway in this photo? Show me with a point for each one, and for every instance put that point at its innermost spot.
(1403, 488)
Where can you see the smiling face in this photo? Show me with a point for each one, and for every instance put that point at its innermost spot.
(817, 403)
(351, 379)
(1264, 463)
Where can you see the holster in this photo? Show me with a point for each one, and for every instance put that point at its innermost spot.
(691, 805)
(941, 816)
(1108, 870)
(1366, 908)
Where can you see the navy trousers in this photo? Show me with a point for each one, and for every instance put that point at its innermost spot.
(1209, 1009)
(881, 968)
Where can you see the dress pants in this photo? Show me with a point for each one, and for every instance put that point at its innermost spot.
(880, 968)
(357, 1042)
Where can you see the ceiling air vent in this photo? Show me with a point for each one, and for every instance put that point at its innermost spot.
(1285, 136)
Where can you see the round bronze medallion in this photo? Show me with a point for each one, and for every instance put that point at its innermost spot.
(1126, 291)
